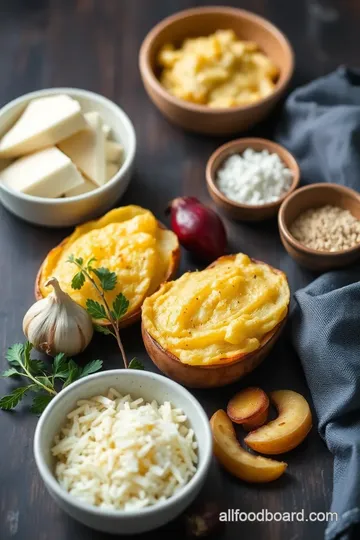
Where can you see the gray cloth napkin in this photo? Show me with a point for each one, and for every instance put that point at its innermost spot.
(326, 336)
(321, 127)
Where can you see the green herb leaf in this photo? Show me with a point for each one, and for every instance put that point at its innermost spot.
(79, 261)
(90, 261)
(28, 347)
(44, 379)
(71, 258)
(11, 400)
(10, 372)
(60, 363)
(14, 354)
(60, 367)
(76, 372)
(102, 330)
(120, 306)
(78, 281)
(26, 355)
(107, 279)
(36, 366)
(135, 364)
(91, 367)
(95, 310)
(40, 402)
(73, 374)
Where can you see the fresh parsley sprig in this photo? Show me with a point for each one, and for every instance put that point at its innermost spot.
(45, 381)
(106, 281)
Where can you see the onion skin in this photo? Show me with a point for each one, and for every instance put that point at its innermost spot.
(199, 229)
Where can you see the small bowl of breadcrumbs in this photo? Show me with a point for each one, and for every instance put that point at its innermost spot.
(319, 226)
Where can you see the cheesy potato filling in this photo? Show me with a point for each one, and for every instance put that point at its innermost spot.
(218, 70)
(208, 317)
(127, 241)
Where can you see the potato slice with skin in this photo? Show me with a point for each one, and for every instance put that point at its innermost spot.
(288, 430)
(238, 461)
(249, 407)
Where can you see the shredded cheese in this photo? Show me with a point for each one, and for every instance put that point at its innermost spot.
(119, 453)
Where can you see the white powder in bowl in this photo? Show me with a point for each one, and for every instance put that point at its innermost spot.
(254, 177)
(118, 453)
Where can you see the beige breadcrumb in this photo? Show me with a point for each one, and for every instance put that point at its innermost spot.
(327, 228)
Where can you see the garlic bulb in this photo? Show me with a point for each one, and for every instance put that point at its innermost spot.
(58, 324)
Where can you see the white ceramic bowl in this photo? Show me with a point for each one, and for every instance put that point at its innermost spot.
(139, 384)
(65, 212)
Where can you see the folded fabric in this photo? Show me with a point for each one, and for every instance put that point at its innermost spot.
(326, 336)
(320, 125)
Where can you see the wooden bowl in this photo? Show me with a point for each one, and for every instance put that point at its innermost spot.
(134, 316)
(216, 375)
(248, 212)
(315, 196)
(204, 21)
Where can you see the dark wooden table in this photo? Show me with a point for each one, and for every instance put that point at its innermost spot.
(94, 44)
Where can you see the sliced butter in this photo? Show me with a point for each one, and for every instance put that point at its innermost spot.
(85, 187)
(87, 149)
(111, 170)
(44, 123)
(47, 173)
(114, 152)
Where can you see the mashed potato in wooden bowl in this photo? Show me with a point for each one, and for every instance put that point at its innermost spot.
(128, 241)
(211, 327)
(218, 70)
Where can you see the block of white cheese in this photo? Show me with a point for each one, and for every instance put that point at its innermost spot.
(85, 187)
(47, 173)
(87, 149)
(111, 170)
(106, 130)
(45, 122)
(114, 152)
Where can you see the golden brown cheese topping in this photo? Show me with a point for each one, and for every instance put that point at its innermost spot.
(211, 316)
(127, 241)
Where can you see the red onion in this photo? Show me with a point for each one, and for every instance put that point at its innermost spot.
(199, 229)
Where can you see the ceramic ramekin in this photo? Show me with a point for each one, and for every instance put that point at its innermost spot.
(143, 384)
(66, 212)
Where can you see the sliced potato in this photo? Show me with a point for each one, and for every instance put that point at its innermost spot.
(249, 407)
(288, 430)
(238, 461)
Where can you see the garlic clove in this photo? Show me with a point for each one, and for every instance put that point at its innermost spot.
(58, 324)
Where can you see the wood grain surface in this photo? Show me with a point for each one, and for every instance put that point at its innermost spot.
(94, 44)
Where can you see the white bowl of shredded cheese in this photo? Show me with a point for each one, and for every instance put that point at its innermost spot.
(123, 451)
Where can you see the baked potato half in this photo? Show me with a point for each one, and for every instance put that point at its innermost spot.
(231, 361)
(128, 241)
